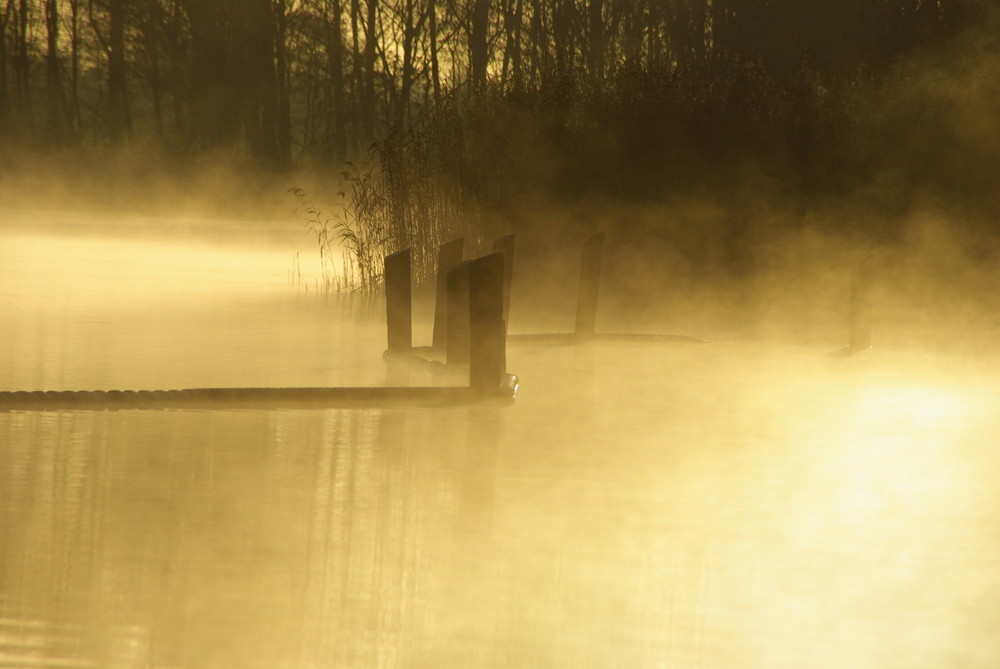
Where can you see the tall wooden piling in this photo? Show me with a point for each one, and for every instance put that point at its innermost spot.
(505, 245)
(862, 284)
(457, 326)
(487, 330)
(449, 255)
(589, 286)
(398, 302)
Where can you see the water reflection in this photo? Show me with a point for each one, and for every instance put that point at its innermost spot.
(239, 538)
(574, 532)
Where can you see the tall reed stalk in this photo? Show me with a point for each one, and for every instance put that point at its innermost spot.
(404, 194)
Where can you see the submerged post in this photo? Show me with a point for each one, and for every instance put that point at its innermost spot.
(862, 282)
(505, 245)
(449, 255)
(487, 331)
(589, 286)
(398, 303)
(457, 321)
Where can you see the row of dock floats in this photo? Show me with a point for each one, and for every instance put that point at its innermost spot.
(479, 280)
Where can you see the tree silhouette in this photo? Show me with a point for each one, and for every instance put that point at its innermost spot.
(283, 79)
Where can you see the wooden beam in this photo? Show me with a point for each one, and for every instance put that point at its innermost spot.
(457, 326)
(449, 255)
(487, 331)
(505, 245)
(398, 301)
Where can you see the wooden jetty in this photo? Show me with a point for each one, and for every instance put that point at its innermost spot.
(481, 280)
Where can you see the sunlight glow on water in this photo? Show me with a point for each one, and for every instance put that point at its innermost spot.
(921, 407)
(81, 268)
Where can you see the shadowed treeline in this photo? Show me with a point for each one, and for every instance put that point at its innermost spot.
(286, 79)
(715, 127)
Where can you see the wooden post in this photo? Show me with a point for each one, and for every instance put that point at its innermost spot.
(449, 255)
(862, 283)
(505, 245)
(487, 333)
(589, 286)
(398, 303)
(457, 325)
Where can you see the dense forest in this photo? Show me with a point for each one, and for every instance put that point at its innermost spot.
(287, 79)
(463, 115)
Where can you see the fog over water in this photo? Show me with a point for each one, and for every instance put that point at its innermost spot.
(180, 180)
(752, 502)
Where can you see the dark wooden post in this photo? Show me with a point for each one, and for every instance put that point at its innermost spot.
(862, 283)
(505, 245)
(449, 255)
(398, 303)
(487, 333)
(589, 286)
(457, 326)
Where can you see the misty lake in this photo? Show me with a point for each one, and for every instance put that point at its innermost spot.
(737, 505)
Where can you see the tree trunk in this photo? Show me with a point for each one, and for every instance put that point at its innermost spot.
(22, 63)
(335, 55)
(435, 67)
(53, 81)
(562, 35)
(632, 29)
(283, 130)
(595, 47)
(74, 76)
(174, 79)
(357, 73)
(258, 94)
(478, 49)
(5, 15)
(215, 105)
(540, 41)
(512, 59)
(118, 108)
(406, 77)
(368, 89)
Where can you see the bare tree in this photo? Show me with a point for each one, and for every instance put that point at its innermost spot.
(22, 62)
(479, 55)
(108, 26)
(5, 15)
(75, 117)
(367, 93)
(435, 63)
(53, 79)
(513, 18)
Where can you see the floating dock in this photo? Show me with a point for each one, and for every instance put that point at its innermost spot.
(481, 280)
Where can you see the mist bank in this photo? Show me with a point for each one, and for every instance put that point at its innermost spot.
(137, 180)
(732, 193)
(738, 185)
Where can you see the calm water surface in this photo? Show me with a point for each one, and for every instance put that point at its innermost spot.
(730, 505)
